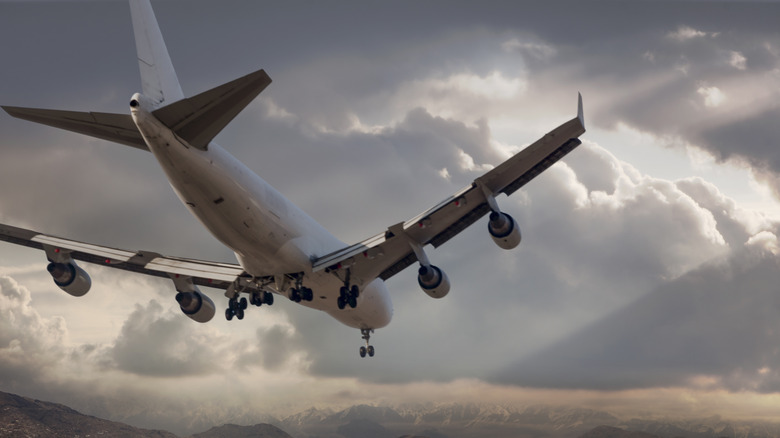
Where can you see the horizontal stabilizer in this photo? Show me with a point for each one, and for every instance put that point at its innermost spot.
(200, 118)
(118, 128)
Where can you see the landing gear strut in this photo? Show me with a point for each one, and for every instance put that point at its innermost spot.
(368, 349)
(348, 295)
(258, 295)
(300, 292)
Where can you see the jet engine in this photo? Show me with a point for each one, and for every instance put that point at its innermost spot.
(196, 305)
(69, 277)
(504, 230)
(433, 281)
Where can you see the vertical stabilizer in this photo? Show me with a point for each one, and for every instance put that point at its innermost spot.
(158, 78)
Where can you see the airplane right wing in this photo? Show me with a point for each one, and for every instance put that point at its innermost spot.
(388, 253)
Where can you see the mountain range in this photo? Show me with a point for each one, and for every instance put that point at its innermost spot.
(21, 416)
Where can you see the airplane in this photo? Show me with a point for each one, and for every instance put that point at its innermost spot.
(280, 249)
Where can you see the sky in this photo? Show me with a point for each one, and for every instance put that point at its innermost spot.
(646, 280)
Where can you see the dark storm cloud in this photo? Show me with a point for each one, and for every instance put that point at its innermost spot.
(598, 242)
(273, 349)
(154, 343)
(598, 235)
(719, 321)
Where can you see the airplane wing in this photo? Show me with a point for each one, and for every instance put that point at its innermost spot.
(388, 253)
(203, 273)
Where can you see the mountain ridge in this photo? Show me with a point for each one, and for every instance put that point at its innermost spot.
(23, 416)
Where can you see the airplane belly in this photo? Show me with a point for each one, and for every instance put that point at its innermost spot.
(225, 197)
(374, 309)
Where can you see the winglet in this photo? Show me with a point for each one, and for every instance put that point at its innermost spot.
(580, 114)
(158, 78)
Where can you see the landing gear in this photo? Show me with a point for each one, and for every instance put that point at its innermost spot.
(348, 296)
(299, 292)
(368, 349)
(235, 308)
(260, 298)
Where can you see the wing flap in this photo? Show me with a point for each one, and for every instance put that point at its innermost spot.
(118, 128)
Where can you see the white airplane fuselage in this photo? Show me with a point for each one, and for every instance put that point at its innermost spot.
(268, 233)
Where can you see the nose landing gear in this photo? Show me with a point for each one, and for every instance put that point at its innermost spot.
(368, 349)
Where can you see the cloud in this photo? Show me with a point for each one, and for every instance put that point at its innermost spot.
(275, 347)
(737, 60)
(713, 97)
(598, 235)
(366, 131)
(685, 33)
(153, 342)
(714, 321)
(30, 346)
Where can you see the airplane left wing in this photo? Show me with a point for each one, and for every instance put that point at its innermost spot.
(202, 273)
(388, 253)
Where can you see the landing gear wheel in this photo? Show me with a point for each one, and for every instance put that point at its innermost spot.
(240, 313)
(308, 294)
(243, 304)
(352, 301)
(295, 295)
(268, 298)
(342, 303)
(354, 291)
(368, 349)
(229, 314)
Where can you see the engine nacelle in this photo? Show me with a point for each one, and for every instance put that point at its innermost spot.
(504, 230)
(433, 281)
(196, 305)
(69, 277)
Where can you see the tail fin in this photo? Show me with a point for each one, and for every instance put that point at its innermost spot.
(197, 119)
(158, 78)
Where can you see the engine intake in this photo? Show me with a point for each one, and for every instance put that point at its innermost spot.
(69, 277)
(433, 281)
(196, 305)
(504, 230)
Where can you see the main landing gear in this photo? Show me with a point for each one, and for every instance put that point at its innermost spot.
(368, 349)
(257, 297)
(235, 308)
(348, 296)
(300, 292)
(260, 298)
